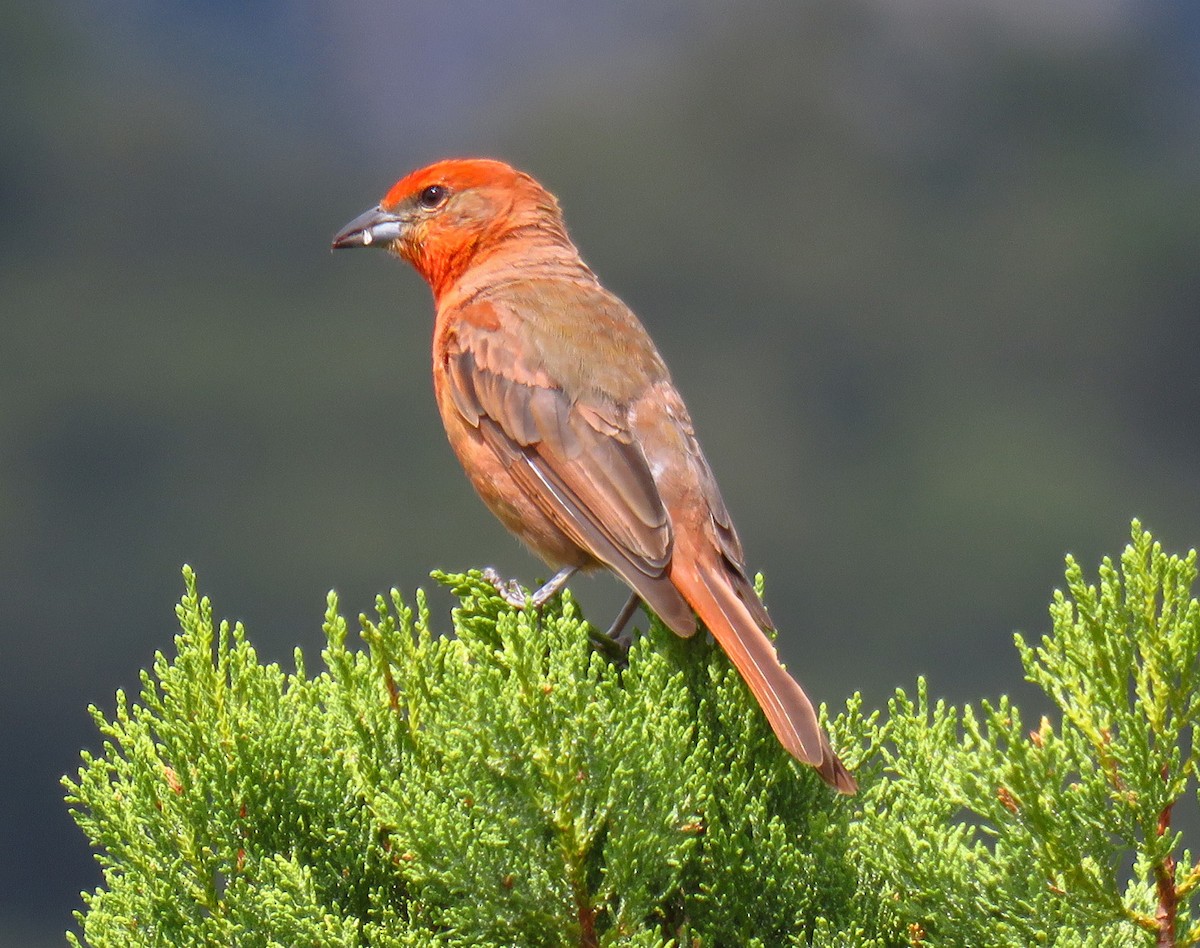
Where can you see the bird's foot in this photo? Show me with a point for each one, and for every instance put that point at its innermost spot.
(616, 649)
(511, 592)
(507, 589)
(615, 643)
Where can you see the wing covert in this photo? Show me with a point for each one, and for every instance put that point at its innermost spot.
(576, 460)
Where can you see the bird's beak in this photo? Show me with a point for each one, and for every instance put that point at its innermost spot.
(375, 226)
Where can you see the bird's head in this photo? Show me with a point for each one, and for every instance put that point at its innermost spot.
(442, 217)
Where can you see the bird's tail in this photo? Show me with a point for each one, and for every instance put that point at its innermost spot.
(708, 588)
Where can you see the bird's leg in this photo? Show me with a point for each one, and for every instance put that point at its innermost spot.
(622, 620)
(551, 588)
(612, 643)
(511, 592)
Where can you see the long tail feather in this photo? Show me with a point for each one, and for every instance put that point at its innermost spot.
(790, 713)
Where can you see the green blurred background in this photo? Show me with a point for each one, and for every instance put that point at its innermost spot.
(925, 271)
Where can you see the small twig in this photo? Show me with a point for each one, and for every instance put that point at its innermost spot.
(1168, 896)
(392, 689)
(586, 913)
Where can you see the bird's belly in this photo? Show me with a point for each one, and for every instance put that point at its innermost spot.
(507, 499)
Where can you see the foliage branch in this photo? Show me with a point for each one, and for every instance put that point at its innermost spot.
(512, 784)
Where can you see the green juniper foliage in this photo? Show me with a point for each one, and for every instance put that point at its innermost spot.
(512, 785)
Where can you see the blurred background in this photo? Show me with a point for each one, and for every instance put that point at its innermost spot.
(926, 272)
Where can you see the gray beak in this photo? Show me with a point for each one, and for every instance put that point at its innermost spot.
(375, 226)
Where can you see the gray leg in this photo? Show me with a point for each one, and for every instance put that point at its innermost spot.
(612, 643)
(623, 617)
(554, 585)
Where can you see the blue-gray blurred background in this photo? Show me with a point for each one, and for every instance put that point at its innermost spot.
(926, 272)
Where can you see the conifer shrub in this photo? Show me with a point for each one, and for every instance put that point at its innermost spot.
(513, 785)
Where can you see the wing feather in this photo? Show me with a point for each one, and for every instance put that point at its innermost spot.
(578, 463)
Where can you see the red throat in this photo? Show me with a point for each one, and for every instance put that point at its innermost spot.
(443, 257)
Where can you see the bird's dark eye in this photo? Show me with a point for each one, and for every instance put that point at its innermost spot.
(432, 196)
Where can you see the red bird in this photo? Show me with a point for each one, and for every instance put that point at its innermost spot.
(564, 416)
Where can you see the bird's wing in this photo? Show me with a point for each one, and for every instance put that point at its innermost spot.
(576, 460)
(663, 419)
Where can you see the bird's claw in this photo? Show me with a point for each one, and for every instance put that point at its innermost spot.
(617, 649)
(514, 595)
(507, 589)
